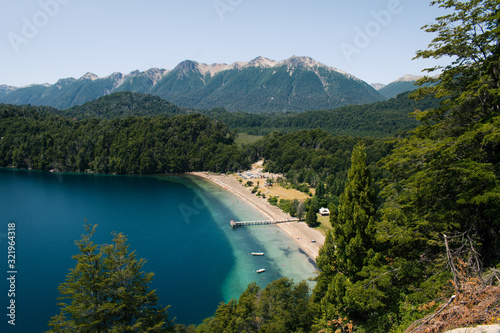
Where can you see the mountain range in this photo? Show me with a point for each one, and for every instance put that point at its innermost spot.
(405, 83)
(260, 85)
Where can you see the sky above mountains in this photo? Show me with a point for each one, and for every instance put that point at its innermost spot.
(45, 40)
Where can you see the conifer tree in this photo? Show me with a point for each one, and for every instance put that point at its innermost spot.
(347, 260)
(312, 217)
(108, 292)
(353, 231)
(347, 243)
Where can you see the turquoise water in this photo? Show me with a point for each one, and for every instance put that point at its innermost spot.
(179, 224)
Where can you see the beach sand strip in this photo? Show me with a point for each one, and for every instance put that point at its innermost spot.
(309, 240)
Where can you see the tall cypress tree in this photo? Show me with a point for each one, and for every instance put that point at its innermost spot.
(353, 231)
(347, 259)
(347, 244)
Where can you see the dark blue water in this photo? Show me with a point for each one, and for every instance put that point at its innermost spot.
(169, 221)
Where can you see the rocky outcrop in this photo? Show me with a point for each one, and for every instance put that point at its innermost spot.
(477, 329)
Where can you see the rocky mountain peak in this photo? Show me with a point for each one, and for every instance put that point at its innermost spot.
(303, 62)
(116, 76)
(6, 88)
(64, 82)
(409, 78)
(187, 66)
(235, 89)
(89, 76)
(135, 73)
(262, 62)
(378, 86)
(155, 74)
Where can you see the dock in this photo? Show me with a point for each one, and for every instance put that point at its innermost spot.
(236, 224)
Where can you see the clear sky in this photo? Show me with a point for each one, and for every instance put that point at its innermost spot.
(45, 40)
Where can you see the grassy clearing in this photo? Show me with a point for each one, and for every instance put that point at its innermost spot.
(277, 190)
(244, 138)
(284, 193)
(325, 224)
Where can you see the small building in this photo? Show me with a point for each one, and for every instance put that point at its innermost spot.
(324, 211)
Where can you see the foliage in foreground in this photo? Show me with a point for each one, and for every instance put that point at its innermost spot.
(108, 292)
(476, 301)
(282, 306)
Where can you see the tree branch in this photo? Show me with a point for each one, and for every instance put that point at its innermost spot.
(435, 314)
(378, 277)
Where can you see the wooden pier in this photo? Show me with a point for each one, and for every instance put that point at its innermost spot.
(235, 224)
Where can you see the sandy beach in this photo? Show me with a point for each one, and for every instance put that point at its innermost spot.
(299, 231)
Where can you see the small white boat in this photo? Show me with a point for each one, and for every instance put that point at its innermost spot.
(257, 253)
(261, 270)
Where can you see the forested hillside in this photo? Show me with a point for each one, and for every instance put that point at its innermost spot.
(378, 119)
(39, 140)
(316, 157)
(123, 104)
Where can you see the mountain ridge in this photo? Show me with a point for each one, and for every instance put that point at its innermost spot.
(402, 84)
(259, 85)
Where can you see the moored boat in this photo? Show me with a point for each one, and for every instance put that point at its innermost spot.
(261, 270)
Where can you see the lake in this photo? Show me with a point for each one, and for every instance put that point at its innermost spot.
(179, 224)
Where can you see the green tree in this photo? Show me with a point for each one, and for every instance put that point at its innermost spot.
(108, 292)
(282, 306)
(347, 260)
(312, 217)
(445, 177)
(320, 190)
(471, 83)
(353, 231)
(301, 208)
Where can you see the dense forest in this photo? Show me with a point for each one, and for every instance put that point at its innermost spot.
(124, 104)
(314, 156)
(415, 238)
(381, 119)
(37, 139)
(388, 118)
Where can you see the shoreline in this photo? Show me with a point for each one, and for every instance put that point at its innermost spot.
(298, 231)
